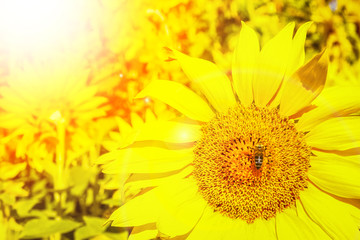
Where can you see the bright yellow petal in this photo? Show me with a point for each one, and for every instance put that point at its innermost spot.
(149, 116)
(169, 131)
(144, 232)
(296, 59)
(141, 210)
(350, 159)
(329, 214)
(148, 207)
(179, 97)
(237, 230)
(212, 82)
(211, 226)
(271, 68)
(353, 208)
(336, 175)
(136, 120)
(332, 102)
(151, 181)
(85, 94)
(336, 134)
(91, 103)
(244, 64)
(290, 226)
(181, 213)
(316, 229)
(297, 53)
(107, 157)
(304, 85)
(262, 229)
(11, 121)
(146, 160)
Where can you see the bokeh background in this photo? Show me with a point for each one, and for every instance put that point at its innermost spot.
(69, 70)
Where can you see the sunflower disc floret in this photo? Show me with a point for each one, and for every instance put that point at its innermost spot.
(224, 164)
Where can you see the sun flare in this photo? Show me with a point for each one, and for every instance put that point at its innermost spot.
(38, 24)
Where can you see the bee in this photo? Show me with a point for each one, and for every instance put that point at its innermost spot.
(259, 151)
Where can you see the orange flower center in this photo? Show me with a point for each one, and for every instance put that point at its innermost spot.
(251, 163)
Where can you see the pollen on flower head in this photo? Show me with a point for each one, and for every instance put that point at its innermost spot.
(225, 170)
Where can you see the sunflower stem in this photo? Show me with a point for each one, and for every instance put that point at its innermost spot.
(60, 179)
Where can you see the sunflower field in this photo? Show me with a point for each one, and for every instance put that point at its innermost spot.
(179, 119)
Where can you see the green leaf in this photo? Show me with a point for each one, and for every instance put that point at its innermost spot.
(23, 207)
(13, 225)
(43, 213)
(38, 228)
(10, 190)
(39, 187)
(112, 202)
(95, 223)
(7, 199)
(94, 227)
(89, 197)
(117, 236)
(79, 180)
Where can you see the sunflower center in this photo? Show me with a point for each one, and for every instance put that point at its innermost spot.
(251, 163)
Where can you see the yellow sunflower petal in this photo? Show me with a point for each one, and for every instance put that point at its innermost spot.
(296, 59)
(148, 207)
(95, 113)
(150, 116)
(211, 226)
(144, 232)
(11, 121)
(316, 229)
(354, 211)
(304, 85)
(91, 104)
(179, 97)
(169, 131)
(262, 229)
(107, 157)
(352, 159)
(146, 160)
(237, 230)
(136, 120)
(332, 102)
(141, 210)
(336, 134)
(290, 226)
(212, 82)
(85, 94)
(244, 64)
(182, 213)
(336, 175)
(297, 53)
(329, 214)
(271, 68)
(124, 126)
(352, 206)
(154, 182)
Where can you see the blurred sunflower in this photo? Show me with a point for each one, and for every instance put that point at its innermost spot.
(263, 163)
(50, 111)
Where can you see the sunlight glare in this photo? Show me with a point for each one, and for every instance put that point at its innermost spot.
(33, 25)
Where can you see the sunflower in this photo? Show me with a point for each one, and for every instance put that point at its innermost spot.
(268, 155)
(58, 92)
